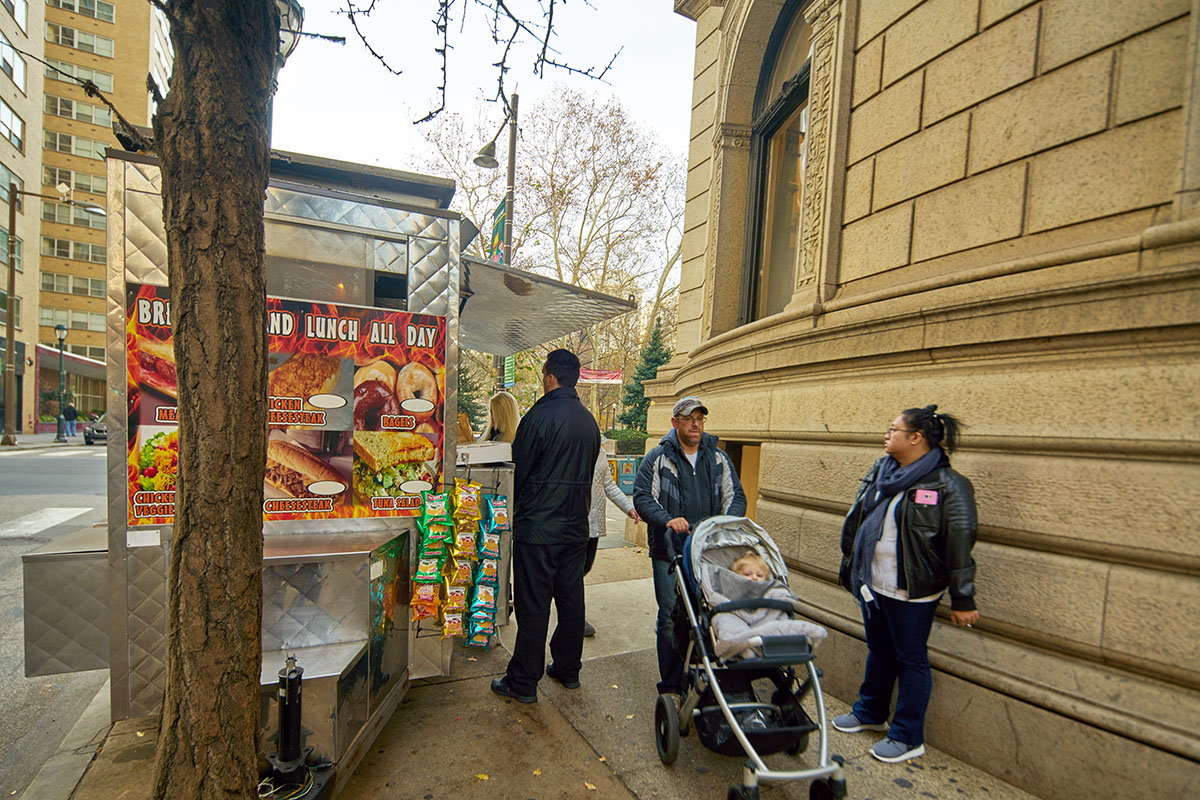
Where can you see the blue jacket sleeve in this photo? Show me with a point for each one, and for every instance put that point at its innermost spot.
(733, 499)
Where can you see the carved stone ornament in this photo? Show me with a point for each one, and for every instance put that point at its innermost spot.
(728, 136)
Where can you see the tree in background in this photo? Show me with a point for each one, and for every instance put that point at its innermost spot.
(472, 393)
(654, 355)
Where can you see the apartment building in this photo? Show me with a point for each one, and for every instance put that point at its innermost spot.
(21, 26)
(115, 45)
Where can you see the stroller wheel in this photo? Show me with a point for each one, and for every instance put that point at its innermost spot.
(821, 790)
(666, 729)
(742, 793)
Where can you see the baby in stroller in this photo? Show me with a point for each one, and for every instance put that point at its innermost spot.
(737, 632)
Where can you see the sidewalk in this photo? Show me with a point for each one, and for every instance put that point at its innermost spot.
(452, 737)
(42, 441)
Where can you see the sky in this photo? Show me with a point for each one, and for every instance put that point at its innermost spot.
(340, 102)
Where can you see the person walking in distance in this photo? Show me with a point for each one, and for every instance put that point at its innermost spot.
(907, 539)
(555, 455)
(602, 485)
(70, 414)
(683, 480)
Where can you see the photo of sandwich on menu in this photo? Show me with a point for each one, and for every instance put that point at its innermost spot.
(388, 464)
(296, 472)
(156, 366)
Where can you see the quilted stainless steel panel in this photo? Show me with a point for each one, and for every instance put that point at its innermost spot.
(288, 201)
(322, 602)
(391, 256)
(66, 622)
(147, 599)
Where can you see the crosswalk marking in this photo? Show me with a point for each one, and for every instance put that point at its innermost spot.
(38, 521)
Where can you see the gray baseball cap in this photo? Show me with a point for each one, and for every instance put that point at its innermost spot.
(687, 405)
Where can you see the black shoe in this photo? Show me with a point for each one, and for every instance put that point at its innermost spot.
(589, 630)
(500, 686)
(568, 683)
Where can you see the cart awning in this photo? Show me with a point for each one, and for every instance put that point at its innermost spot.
(508, 310)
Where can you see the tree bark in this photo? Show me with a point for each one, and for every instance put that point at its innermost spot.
(212, 137)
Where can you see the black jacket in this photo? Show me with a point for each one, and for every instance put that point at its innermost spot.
(667, 487)
(934, 540)
(555, 454)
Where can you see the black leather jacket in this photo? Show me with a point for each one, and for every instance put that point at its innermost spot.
(555, 453)
(934, 540)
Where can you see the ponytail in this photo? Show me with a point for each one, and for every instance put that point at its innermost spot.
(938, 429)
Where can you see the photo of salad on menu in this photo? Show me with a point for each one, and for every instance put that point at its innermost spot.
(355, 409)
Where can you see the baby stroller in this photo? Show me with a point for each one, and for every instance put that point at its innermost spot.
(725, 696)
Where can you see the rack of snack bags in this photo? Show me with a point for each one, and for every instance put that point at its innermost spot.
(458, 574)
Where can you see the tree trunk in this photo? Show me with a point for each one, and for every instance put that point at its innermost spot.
(212, 137)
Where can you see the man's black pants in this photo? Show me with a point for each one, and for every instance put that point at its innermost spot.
(541, 573)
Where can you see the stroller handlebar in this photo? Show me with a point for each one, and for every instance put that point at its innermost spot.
(751, 604)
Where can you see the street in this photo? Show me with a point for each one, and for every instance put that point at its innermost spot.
(44, 494)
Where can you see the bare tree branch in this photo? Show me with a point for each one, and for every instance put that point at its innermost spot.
(351, 12)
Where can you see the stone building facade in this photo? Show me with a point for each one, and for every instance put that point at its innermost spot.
(993, 205)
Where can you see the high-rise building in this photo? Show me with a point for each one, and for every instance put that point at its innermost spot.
(21, 127)
(115, 45)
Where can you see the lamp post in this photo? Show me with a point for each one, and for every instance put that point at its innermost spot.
(60, 331)
(10, 347)
(486, 158)
(291, 23)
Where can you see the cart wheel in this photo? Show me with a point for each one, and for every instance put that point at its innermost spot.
(821, 790)
(666, 729)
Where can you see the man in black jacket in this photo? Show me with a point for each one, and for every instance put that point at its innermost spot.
(683, 480)
(555, 454)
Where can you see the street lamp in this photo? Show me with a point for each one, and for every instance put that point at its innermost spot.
(60, 331)
(10, 346)
(291, 23)
(486, 158)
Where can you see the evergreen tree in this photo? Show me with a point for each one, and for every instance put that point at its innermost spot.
(472, 395)
(654, 355)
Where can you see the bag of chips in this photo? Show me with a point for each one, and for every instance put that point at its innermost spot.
(489, 545)
(431, 549)
(459, 572)
(438, 531)
(477, 638)
(427, 593)
(452, 625)
(456, 598)
(488, 572)
(465, 541)
(429, 570)
(436, 506)
(485, 599)
(467, 496)
(424, 611)
(487, 626)
(498, 512)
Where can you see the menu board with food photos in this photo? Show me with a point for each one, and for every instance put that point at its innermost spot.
(355, 409)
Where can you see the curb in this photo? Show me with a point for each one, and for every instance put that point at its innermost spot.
(63, 771)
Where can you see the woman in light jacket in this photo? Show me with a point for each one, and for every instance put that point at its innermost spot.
(503, 419)
(906, 541)
(602, 484)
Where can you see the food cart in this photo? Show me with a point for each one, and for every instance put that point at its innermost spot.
(369, 299)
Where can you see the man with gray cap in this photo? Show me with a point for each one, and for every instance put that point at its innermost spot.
(683, 480)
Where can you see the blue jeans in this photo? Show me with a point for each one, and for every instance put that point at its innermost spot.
(70, 426)
(670, 660)
(897, 650)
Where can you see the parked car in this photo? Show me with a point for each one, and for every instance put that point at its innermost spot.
(96, 431)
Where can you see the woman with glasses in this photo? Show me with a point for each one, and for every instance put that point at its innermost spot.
(906, 541)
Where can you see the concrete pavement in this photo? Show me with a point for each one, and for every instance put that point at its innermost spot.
(451, 737)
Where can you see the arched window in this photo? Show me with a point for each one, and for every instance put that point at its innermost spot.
(777, 153)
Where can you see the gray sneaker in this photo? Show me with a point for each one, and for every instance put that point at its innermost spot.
(893, 752)
(848, 723)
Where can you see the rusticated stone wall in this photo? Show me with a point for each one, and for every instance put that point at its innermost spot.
(1002, 219)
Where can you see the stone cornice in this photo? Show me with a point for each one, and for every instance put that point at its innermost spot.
(692, 9)
(730, 135)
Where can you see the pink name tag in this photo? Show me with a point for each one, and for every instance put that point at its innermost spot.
(926, 497)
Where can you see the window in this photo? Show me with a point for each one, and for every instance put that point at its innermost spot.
(76, 109)
(12, 127)
(76, 145)
(17, 251)
(76, 320)
(79, 181)
(7, 177)
(80, 251)
(72, 284)
(777, 158)
(60, 70)
(12, 63)
(19, 10)
(71, 214)
(89, 8)
(80, 40)
(4, 310)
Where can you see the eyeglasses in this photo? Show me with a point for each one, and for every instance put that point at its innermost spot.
(691, 420)
(894, 429)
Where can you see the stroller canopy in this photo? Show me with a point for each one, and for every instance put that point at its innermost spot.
(719, 541)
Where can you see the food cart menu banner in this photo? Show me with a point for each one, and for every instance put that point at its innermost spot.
(355, 409)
